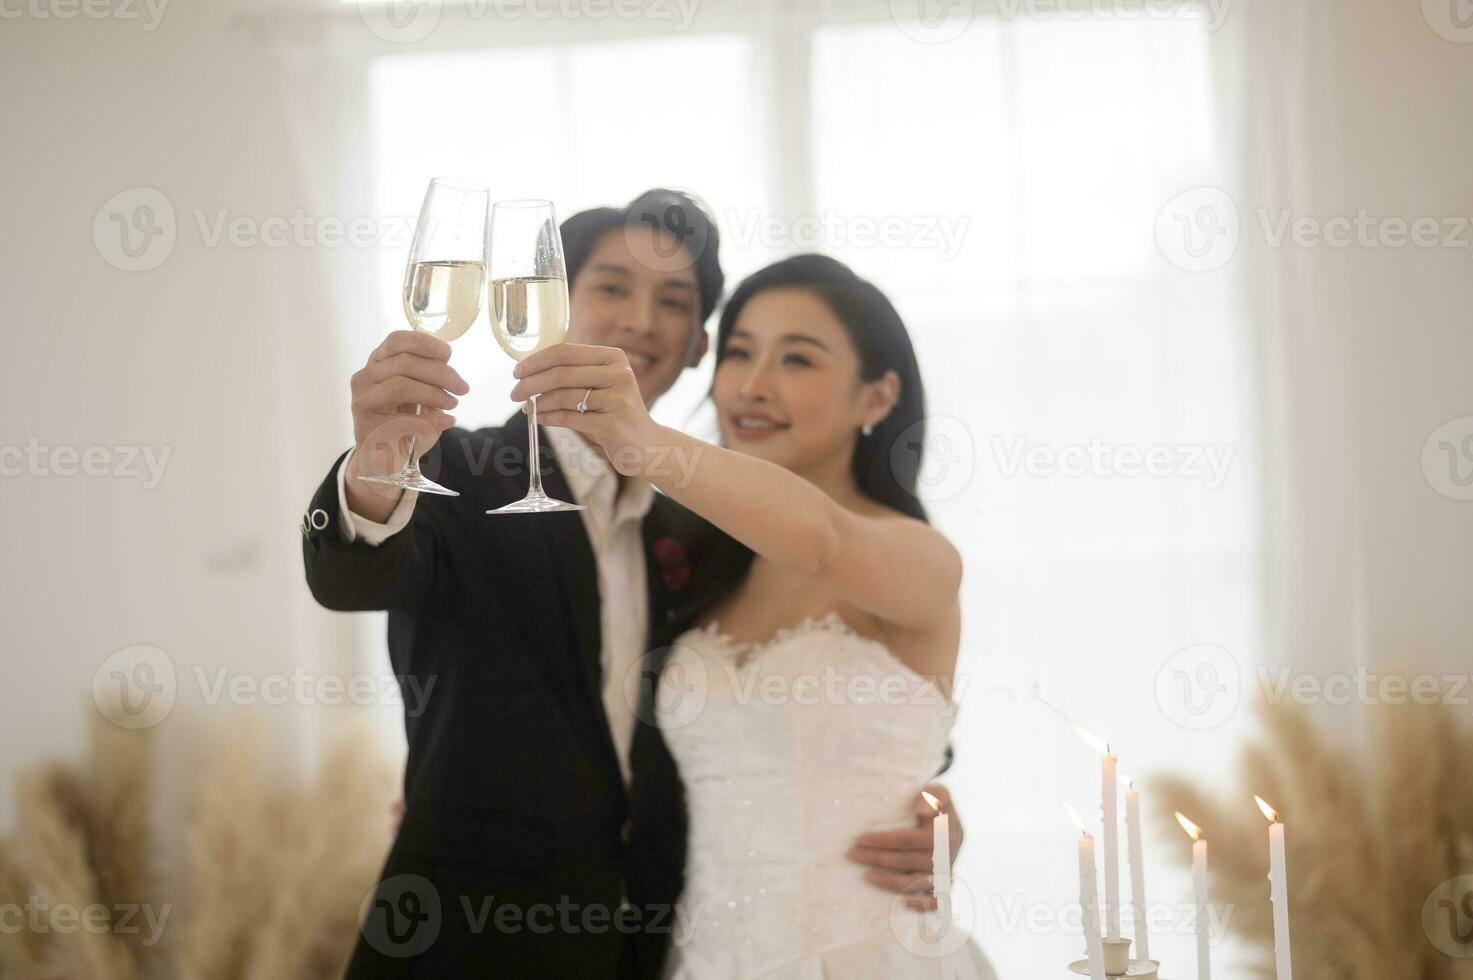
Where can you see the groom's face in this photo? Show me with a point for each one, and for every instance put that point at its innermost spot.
(653, 314)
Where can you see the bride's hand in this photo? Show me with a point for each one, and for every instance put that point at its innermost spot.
(600, 378)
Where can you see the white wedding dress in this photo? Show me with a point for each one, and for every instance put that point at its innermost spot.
(789, 749)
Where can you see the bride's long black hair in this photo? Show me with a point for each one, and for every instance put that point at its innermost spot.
(887, 463)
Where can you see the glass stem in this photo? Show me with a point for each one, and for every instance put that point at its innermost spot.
(534, 485)
(411, 465)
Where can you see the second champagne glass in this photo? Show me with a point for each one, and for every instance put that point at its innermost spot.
(529, 310)
(442, 286)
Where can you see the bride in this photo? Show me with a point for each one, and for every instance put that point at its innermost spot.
(828, 635)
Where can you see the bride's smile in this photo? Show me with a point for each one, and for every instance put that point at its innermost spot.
(788, 388)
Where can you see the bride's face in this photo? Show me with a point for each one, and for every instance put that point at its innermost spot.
(787, 385)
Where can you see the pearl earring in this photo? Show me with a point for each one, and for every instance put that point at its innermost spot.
(867, 429)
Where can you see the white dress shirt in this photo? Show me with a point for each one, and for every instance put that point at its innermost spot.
(612, 520)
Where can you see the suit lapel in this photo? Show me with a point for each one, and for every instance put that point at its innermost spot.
(572, 554)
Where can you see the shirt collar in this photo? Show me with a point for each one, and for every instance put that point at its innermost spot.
(593, 481)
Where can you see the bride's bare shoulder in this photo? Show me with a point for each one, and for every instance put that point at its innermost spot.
(913, 530)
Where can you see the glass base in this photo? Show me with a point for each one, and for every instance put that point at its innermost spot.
(412, 480)
(536, 503)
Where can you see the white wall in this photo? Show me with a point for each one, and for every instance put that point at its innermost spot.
(215, 356)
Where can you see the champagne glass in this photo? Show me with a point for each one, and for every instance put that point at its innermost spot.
(442, 286)
(529, 309)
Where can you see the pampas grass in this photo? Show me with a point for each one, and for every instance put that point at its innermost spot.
(274, 868)
(1370, 835)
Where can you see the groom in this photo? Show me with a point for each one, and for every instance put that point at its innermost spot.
(544, 826)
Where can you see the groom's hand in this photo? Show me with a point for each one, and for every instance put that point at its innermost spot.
(900, 860)
(409, 368)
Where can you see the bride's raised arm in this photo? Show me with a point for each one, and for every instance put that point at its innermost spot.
(899, 569)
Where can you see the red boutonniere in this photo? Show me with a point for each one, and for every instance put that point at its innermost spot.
(674, 566)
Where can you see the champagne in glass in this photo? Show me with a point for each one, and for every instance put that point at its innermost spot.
(529, 310)
(444, 298)
(528, 314)
(442, 286)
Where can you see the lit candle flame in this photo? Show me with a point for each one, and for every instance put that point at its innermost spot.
(1129, 783)
(935, 803)
(1268, 811)
(1193, 831)
(1093, 741)
(1074, 815)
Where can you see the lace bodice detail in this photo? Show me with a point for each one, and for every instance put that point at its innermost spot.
(789, 749)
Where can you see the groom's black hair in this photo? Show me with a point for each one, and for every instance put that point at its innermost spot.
(672, 212)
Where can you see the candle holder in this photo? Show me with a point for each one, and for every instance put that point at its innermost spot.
(1136, 969)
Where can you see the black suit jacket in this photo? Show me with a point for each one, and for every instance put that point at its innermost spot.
(521, 853)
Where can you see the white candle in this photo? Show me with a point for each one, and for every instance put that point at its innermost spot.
(1137, 872)
(940, 855)
(1089, 898)
(1278, 878)
(1110, 815)
(1199, 883)
(1112, 845)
